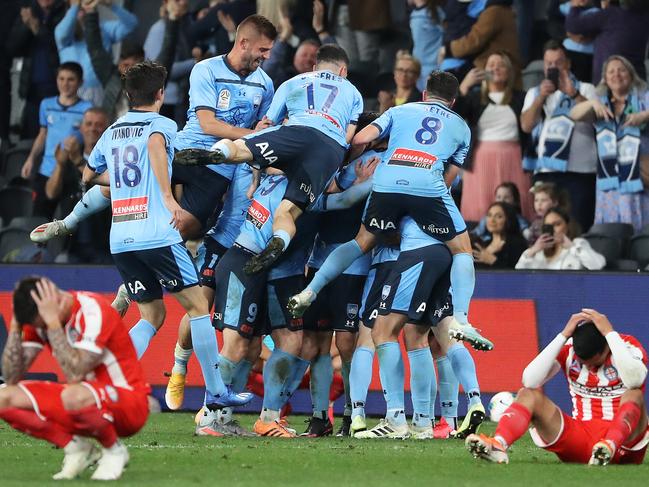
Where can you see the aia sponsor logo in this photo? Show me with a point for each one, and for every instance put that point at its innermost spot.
(257, 214)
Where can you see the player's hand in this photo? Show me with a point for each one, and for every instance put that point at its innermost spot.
(364, 171)
(48, 303)
(177, 213)
(601, 110)
(600, 320)
(26, 171)
(571, 326)
(264, 123)
(546, 88)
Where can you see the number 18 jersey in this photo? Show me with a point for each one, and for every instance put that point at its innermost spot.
(424, 137)
(140, 219)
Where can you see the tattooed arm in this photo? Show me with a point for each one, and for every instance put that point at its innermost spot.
(16, 359)
(75, 363)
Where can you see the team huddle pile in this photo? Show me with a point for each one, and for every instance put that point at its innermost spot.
(391, 254)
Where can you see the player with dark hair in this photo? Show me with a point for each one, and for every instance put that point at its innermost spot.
(606, 375)
(322, 108)
(144, 239)
(104, 396)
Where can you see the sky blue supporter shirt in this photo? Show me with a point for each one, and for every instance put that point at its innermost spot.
(423, 138)
(236, 100)
(140, 219)
(61, 122)
(320, 100)
(235, 206)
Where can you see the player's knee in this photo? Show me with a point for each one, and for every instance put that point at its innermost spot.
(76, 397)
(460, 244)
(529, 396)
(345, 343)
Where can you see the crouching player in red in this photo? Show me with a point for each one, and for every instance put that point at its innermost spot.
(105, 396)
(606, 373)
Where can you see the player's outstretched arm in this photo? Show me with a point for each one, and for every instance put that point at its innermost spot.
(16, 358)
(218, 128)
(157, 148)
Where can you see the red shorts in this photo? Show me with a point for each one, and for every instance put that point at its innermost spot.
(577, 438)
(128, 410)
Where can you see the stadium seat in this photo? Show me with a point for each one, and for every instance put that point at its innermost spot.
(27, 222)
(622, 231)
(640, 249)
(12, 239)
(625, 265)
(609, 247)
(14, 160)
(15, 201)
(533, 74)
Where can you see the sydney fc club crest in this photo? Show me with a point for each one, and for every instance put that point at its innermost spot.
(385, 292)
(352, 310)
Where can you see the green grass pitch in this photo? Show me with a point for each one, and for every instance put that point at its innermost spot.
(166, 453)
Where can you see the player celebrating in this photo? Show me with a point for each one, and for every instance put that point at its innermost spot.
(322, 109)
(105, 397)
(146, 245)
(606, 373)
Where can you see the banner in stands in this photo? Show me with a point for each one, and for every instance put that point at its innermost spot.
(520, 311)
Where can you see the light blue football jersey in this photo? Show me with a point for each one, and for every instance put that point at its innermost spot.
(140, 219)
(423, 138)
(239, 101)
(413, 237)
(320, 100)
(235, 206)
(61, 122)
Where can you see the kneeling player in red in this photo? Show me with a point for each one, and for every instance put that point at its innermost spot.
(606, 373)
(105, 396)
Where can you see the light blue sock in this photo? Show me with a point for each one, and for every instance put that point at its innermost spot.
(464, 370)
(433, 397)
(449, 388)
(345, 370)
(91, 202)
(298, 369)
(286, 238)
(241, 373)
(322, 373)
(227, 368)
(207, 352)
(141, 334)
(223, 147)
(360, 378)
(462, 284)
(334, 265)
(392, 375)
(422, 373)
(279, 373)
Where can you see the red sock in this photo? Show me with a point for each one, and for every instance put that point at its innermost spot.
(337, 388)
(28, 422)
(256, 383)
(90, 421)
(624, 422)
(513, 424)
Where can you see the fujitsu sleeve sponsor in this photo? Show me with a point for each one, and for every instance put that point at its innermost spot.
(412, 158)
(130, 209)
(257, 214)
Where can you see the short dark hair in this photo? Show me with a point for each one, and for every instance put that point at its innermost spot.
(332, 53)
(131, 50)
(72, 67)
(442, 84)
(553, 45)
(261, 24)
(364, 119)
(587, 341)
(25, 309)
(142, 81)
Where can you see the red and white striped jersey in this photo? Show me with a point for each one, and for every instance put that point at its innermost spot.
(96, 327)
(596, 392)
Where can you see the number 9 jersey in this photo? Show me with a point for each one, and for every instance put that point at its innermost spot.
(140, 218)
(424, 137)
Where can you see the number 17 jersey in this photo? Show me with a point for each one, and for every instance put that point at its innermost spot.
(424, 137)
(140, 218)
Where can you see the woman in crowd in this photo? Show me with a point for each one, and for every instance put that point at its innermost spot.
(406, 73)
(555, 249)
(506, 192)
(504, 243)
(493, 113)
(620, 115)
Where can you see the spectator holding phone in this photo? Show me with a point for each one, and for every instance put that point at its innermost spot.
(504, 244)
(561, 150)
(555, 249)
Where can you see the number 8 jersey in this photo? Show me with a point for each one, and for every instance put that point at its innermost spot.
(424, 137)
(140, 219)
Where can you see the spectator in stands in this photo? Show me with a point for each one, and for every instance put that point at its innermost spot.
(72, 45)
(546, 196)
(492, 106)
(459, 17)
(403, 85)
(10, 13)
(619, 27)
(493, 31)
(561, 150)
(579, 48)
(59, 117)
(506, 192)
(427, 36)
(504, 243)
(559, 249)
(177, 87)
(32, 38)
(620, 114)
(209, 30)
